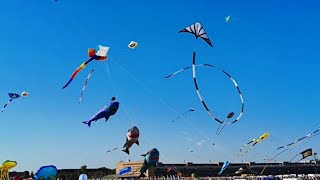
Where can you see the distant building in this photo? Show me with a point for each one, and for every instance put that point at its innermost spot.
(135, 169)
(212, 169)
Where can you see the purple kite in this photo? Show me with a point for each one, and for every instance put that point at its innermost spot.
(105, 112)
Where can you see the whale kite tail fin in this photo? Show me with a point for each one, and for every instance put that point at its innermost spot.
(87, 123)
(142, 175)
(126, 150)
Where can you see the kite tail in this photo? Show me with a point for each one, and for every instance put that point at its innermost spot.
(67, 84)
(83, 65)
(7, 104)
(87, 123)
(85, 85)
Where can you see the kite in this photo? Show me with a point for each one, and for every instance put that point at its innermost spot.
(198, 31)
(201, 99)
(125, 170)
(198, 92)
(85, 84)
(306, 153)
(230, 115)
(83, 177)
(46, 173)
(190, 110)
(133, 45)
(224, 167)
(253, 142)
(105, 112)
(228, 19)
(132, 138)
(151, 159)
(4, 169)
(112, 150)
(13, 96)
(99, 55)
(298, 140)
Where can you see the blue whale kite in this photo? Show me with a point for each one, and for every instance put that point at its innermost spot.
(105, 112)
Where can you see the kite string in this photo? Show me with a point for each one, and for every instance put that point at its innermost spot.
(159, 97)
(115, 91)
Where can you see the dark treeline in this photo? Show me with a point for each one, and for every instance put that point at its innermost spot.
(71, 174)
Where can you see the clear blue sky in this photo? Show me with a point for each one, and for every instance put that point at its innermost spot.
(271, 48)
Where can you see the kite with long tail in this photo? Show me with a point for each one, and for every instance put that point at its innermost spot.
(99, 55)
(85, 85)
(253, 142)
(14, 96)
(190, 110)
(288, 146)
(198, 92)
(314, 133)
(198, 31)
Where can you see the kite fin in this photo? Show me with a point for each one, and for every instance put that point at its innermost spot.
(137, 142)
(87, 123)
(125, 144)
(144, 155)
(106, 118)
(126, 150)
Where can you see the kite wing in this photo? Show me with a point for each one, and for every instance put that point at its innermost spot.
(306, 153)
(197, 30)
(85, 85)
(13, 95)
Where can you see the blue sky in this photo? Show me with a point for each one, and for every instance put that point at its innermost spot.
(270, 48)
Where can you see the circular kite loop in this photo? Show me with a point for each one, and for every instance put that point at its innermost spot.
(199, 94)
(200, 97)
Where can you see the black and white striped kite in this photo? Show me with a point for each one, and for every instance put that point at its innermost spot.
(199, 94)
(314, 133)
(198, 30)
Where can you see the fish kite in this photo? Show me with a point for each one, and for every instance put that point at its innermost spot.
(190, 110)
(224, 167)
(228, 19)
(99, 55)
(13, 96)
(253, 142)
(132, 138)
(151, 159)
(105, 112)
(198, 92)
(133, 45)
(198, 31)
(46, 173)
(310, 135)
(306, 153)
(85, 85)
